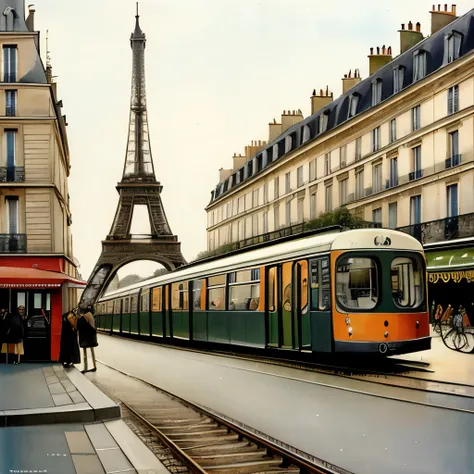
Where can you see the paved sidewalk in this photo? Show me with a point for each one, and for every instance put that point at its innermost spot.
(56, 421)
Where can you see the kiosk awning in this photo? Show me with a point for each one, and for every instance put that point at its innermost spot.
(451, 265)
(27, 278)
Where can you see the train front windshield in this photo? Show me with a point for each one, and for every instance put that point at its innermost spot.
(363, 282)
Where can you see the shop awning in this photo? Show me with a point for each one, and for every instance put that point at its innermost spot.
(451, 265)
(18, 278)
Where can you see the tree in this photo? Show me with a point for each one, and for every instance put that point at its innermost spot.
(129, 280)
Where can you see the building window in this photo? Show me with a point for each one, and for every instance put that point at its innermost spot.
(415, 210)
(275, 152)
(377, 215)
(393, 172)
(393, 130)
(376, 139)
(329, 198)
(343, 156)
(353, 103)
(453, 99)
(12, 214)
(323, 122)
(288, 213)
(300, 210)
(288, 182)
(452, 200)
(377, 178)
(419, 65)
(415, 118)
(454, 156)
(343, 191)
(299, 176)
(241, 204)
(229, 209)
(398, 79)
(10, 140)
(452, 46)
(416, 174)
(288, 143)
(276, 188)
(265, 222)
(327, 164)
(312, 170)
(306, 133)
(10, 103)
(255, 224)
(256, 198)
(376, 92)
(358, 149)
(312, 206)
(359, 190)
(265, 193)
(9, 63)
(392, 215)
(276, 217)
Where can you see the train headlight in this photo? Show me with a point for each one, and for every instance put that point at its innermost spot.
(348, 321)
(349, 329)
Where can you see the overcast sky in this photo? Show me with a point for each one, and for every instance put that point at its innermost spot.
(217, 72)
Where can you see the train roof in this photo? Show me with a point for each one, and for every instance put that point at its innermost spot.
(325, 242)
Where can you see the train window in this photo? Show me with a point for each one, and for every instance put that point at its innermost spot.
(145, 302)
(157, 303)
(110, 307)
(179, 296)
(197, 287)
(272, 289)
(245, 276)
(244, 296)
(116, 306)
(407, 281)
(320, 285)
(133, 304)
(357, 282)
(126, 305)
(216, 293)
(287, 286)
(304, 285)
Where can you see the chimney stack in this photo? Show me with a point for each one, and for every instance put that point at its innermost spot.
(30, 21)
(409, 37)
(289, 118)
(320, 100)
(440, 18)
(380, 59)
(350, 80)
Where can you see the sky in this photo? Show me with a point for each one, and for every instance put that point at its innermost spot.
(217, 72)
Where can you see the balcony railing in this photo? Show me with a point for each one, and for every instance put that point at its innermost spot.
(12, 174)
(12, 243)
(450, 228)
(417, 174)
(455, 160)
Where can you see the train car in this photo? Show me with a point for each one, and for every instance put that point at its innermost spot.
(359, 291)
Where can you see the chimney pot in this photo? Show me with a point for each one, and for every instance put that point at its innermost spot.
(445, 7)
(389, 51)
(433, 7)
(439, 7)
(371, 51)
(410, 25)
(453, 9)
(378, 50)
(403, 26)
(418, 26)
(383, 49)
(314, 92)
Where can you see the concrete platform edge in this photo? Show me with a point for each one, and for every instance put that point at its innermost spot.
(141, 458)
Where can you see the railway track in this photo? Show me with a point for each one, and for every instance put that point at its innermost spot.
(202, 441)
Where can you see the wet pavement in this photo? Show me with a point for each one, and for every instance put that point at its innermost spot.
(359, 432)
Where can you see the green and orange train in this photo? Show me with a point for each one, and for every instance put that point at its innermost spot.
(359, 291)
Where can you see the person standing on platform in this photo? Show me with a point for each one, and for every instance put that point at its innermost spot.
(3, 326)
(69, 350)
(14, 337)
(87, 336)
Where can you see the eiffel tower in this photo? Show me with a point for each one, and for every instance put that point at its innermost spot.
(137, 187)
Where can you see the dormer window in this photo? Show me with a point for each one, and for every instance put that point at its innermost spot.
(275, 152)
(323, 121)
(398, 79)
(452, 46)
(306, 133)
(376, 92)
(353, 103)
(288, 143)
(419, 65)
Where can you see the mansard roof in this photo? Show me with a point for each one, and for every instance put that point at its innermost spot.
(337, 111)
(12, 16)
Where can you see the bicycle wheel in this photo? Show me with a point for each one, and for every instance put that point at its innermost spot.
(448, 335)
(459, 340)
(468, 348)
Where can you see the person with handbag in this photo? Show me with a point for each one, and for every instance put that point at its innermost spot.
(69, 349)
(13, 339)
(87, 336)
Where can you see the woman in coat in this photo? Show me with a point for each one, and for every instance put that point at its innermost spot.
(13, 341)
(87, 336)
(69, 350)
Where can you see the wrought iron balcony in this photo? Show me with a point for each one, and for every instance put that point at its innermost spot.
(450, 228)
(455, 160)
(12, 243)
(12, 174)
(417, 174)
(391, 183)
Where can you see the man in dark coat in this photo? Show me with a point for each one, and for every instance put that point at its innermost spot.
(87, 335)
(69, 350)
(14, 337)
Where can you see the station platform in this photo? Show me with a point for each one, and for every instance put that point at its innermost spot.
(54, 420)
(341, 421)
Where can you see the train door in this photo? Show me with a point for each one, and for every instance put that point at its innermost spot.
(168, 315)
(321, 316)
(273, 305)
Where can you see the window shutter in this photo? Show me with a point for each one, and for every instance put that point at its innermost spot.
(455, 98)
